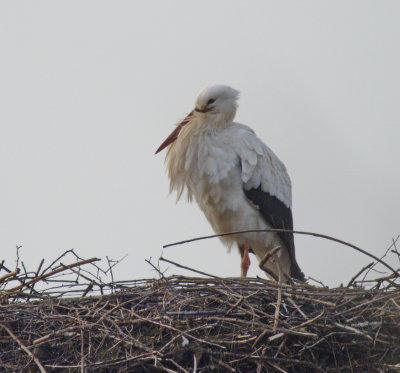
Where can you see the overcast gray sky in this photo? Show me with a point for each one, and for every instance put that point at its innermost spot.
(89, 89)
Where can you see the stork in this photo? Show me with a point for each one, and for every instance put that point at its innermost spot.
(237, 181)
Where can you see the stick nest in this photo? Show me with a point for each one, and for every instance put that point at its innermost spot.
(185, 324)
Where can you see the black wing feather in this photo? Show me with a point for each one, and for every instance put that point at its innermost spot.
(279, 216)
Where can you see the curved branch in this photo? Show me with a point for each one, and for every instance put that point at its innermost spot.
(288, 230)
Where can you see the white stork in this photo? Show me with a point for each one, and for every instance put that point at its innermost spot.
(237, 181)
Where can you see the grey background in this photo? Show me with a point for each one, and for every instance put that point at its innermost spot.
(89, 89)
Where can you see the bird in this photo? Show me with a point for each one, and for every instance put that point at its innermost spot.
(237, 181)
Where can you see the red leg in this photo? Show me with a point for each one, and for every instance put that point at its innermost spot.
(245, 262)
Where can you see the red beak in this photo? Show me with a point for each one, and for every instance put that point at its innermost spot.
(174, 135)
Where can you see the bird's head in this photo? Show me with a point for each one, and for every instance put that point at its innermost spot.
(216, 104)
(218, 100)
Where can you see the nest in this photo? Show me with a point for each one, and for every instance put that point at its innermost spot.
(49, 323)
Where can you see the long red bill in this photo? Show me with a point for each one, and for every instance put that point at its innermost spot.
(174, 135)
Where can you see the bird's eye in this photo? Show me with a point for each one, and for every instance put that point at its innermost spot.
(211, 101)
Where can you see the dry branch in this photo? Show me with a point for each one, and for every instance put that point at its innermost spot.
(354, 247)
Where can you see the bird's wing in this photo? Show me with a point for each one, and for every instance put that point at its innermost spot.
(267, 185)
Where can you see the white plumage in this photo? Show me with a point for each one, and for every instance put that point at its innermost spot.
(237, 181)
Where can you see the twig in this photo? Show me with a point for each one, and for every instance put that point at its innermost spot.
(37, 274)
(354, 330)
(279, 297)
(267, 256)
(110, 269)
(176, 330)
(31, 355)
(10, 274)
(57, 259)
(393, 244)
(114, 263)
(161, 259)
(395, 251)
(291, 231)
(17, 261)
(155, 268)
(45, 275)
(224, 365)
(359, 273)
(188, 268)
(317, 281)
(309, 321)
